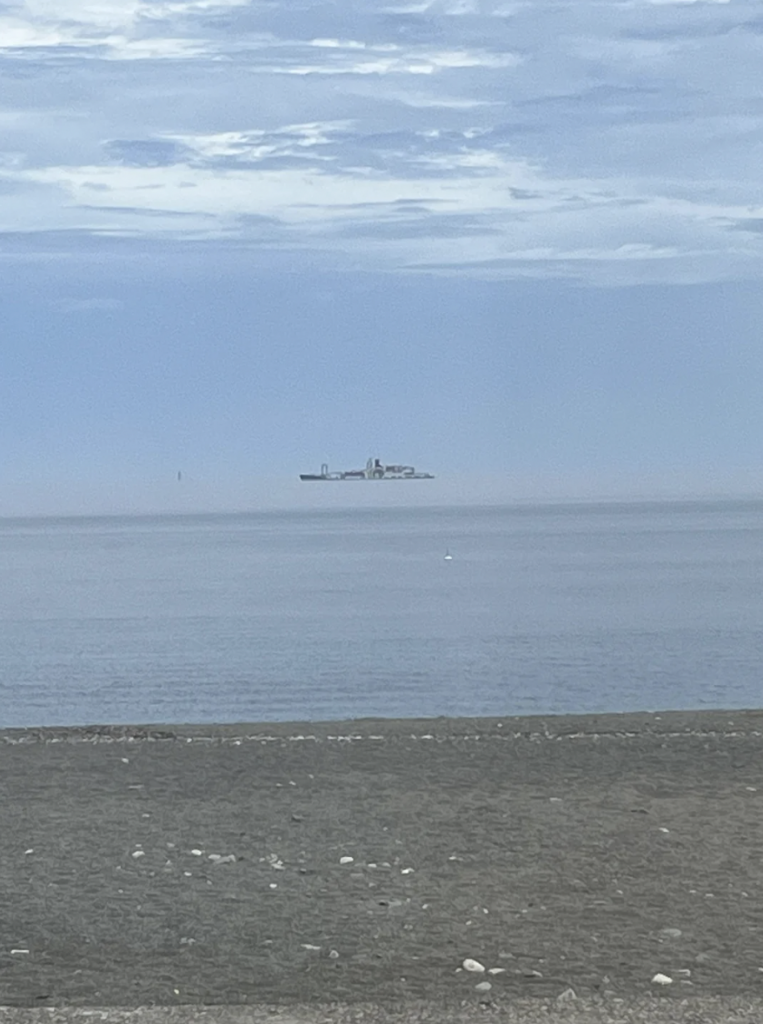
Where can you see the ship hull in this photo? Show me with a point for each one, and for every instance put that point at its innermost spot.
(374, 470)
(341, 478)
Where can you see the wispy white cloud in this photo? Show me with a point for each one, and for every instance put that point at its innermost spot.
(355, 58)
(257, 144)
(20, 36)
(518, 216)
(122, 30)
(422, 101)
(618, 134)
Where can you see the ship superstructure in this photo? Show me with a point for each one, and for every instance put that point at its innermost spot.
(375, 470)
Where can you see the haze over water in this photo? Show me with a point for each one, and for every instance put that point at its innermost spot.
(344, 614)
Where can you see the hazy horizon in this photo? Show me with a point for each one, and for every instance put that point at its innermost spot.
(199, 497)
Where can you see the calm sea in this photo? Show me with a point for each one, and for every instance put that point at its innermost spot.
(326, 615)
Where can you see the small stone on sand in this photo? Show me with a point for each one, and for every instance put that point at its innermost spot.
(473, 965)
(567, 996)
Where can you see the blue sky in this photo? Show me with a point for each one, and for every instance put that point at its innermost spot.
(517, 244)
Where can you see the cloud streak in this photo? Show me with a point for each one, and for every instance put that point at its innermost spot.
(615, 141)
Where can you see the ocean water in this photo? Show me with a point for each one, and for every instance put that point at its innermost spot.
(344, 614)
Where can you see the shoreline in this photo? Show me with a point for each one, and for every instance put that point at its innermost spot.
(346, 870)
(622, 724)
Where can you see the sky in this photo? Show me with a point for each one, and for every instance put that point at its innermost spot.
(515, 244)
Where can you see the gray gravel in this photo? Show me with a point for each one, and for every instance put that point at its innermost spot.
(347, 871)
(581, 1011)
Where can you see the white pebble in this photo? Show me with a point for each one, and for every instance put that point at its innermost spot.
(14, 952)
(473, 965)
(333, 954)
(274, 885)
(346, 860)
(662, 979)
(663, 829)
(197, 853)
(27, 852)
(308, 945)
(406, 871)
(496, 970)
(567, 996)
(138, 853)
(483, 986)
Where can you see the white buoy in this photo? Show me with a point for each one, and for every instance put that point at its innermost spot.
(448, 556)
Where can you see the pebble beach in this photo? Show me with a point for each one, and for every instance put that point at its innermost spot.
(575, 868)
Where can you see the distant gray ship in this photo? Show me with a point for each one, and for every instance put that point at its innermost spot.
(374, 470)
